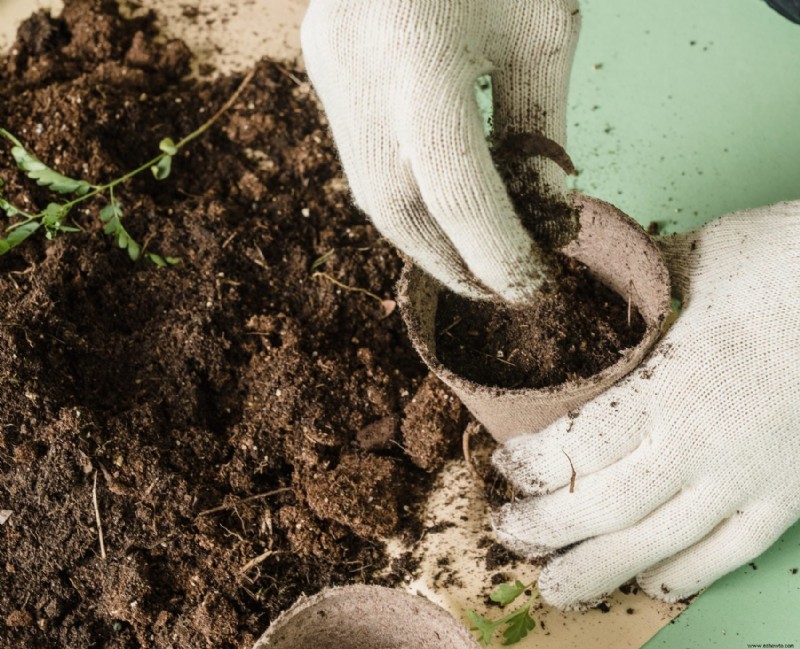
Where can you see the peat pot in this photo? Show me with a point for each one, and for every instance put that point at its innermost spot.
(365, 617)
(621, 255)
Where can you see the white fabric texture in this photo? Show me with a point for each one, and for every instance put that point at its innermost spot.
(690, 466)
(397, 81)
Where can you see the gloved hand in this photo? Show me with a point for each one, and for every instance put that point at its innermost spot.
(688, 468)
(397, 80)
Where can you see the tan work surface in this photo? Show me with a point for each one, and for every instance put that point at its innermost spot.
(230, 36)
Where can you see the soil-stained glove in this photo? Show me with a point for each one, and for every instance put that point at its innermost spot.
(397, 80)
(688, 468)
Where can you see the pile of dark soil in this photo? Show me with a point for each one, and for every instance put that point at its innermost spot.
(253, 431)
(576, 327)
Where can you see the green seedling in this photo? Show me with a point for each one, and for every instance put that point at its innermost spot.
(71, 192)
(517, 623)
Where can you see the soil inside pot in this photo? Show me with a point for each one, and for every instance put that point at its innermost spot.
(254, 431)
(576, 327)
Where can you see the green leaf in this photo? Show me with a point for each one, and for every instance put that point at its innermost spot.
(44, 175)
(484, 626)
(519, 625)
(8, 208)
(113, 226)
(162, 168)
(321, 261)
(54, 215)
(110, 211)
(508, 592)
(111, 215)
(134, 249)
(168, 146)
(158, 260)
(54, 210)
(18, 235)
(4, 247)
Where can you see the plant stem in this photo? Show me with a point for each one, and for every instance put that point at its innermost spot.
(225, 107)
(99, 189)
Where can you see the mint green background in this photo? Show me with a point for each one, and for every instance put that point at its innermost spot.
(681, 134)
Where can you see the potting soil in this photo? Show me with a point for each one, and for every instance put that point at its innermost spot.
(575, 328)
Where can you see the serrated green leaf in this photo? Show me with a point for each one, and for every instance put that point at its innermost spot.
(484, 626)
(506, 593)
(162, 168)
(18, 235)
(168, 146)
(518, 627)
(45, 176)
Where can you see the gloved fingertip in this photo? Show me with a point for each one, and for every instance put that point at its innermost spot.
(513, 461)
(555, 589)
(663, 591)
(506, 523)
(520, 294)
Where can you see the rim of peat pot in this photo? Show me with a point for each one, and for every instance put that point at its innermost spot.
(365, 617)
(620, 254)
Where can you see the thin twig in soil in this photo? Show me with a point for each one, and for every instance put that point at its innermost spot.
(447, 329)
(232, 533)
(254, 562)
(223, 508)
(286, 72)
(400, 446)
(229, 239)
(573, 476)
(355, 289)
(497, 358)
(97, 517)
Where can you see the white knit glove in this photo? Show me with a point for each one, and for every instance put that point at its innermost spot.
(690, 467)
(397, 80)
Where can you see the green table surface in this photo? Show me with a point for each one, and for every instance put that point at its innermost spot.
(682, 111)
